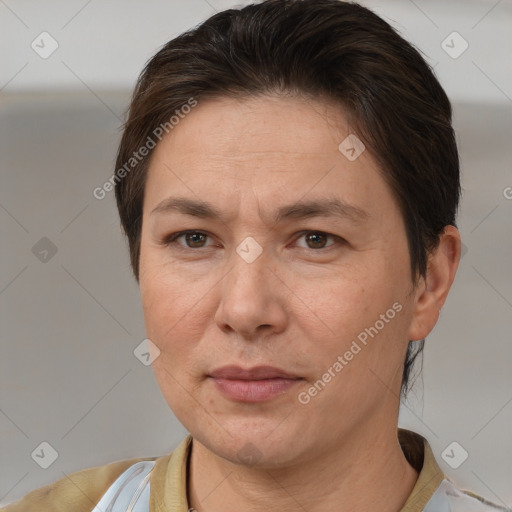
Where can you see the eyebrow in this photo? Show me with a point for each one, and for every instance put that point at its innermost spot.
(300, 210)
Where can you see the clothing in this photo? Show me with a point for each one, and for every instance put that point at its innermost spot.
(167, 489)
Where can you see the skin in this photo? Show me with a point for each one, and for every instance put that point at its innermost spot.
(297, 306)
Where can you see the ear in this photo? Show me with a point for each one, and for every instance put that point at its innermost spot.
(431, 292)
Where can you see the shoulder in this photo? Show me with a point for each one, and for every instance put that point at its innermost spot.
(449, 498)
(79, 491)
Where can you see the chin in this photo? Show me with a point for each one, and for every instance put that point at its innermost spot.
(262, 443)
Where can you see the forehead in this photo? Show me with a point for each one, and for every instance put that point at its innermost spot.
(261, 128)
(277, 149)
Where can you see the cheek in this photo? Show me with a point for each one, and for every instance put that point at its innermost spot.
(359, 314)
(169, 300)
(177, 312)
(343, 302)
(173, 322)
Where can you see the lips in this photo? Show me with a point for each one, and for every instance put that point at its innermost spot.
(255, 373)
(258, 384)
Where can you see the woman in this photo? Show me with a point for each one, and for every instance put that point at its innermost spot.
(288, 181)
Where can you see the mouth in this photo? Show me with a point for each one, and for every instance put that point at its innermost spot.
(257, 384)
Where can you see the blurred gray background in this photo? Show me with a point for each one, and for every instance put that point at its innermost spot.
(70, 310)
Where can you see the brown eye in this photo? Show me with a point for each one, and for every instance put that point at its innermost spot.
(195, 239)
(187, 240)
(316, 240)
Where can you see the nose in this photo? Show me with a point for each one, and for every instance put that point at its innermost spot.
(252, 300)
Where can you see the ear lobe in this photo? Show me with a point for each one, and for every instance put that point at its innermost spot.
(431, 291)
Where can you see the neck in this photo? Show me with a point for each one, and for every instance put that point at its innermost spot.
(355, 475)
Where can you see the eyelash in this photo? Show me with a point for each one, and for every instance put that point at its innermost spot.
(173, 237)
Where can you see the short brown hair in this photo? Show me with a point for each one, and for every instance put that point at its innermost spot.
(316, 49)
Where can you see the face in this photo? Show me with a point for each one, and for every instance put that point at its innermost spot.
(294, 257)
